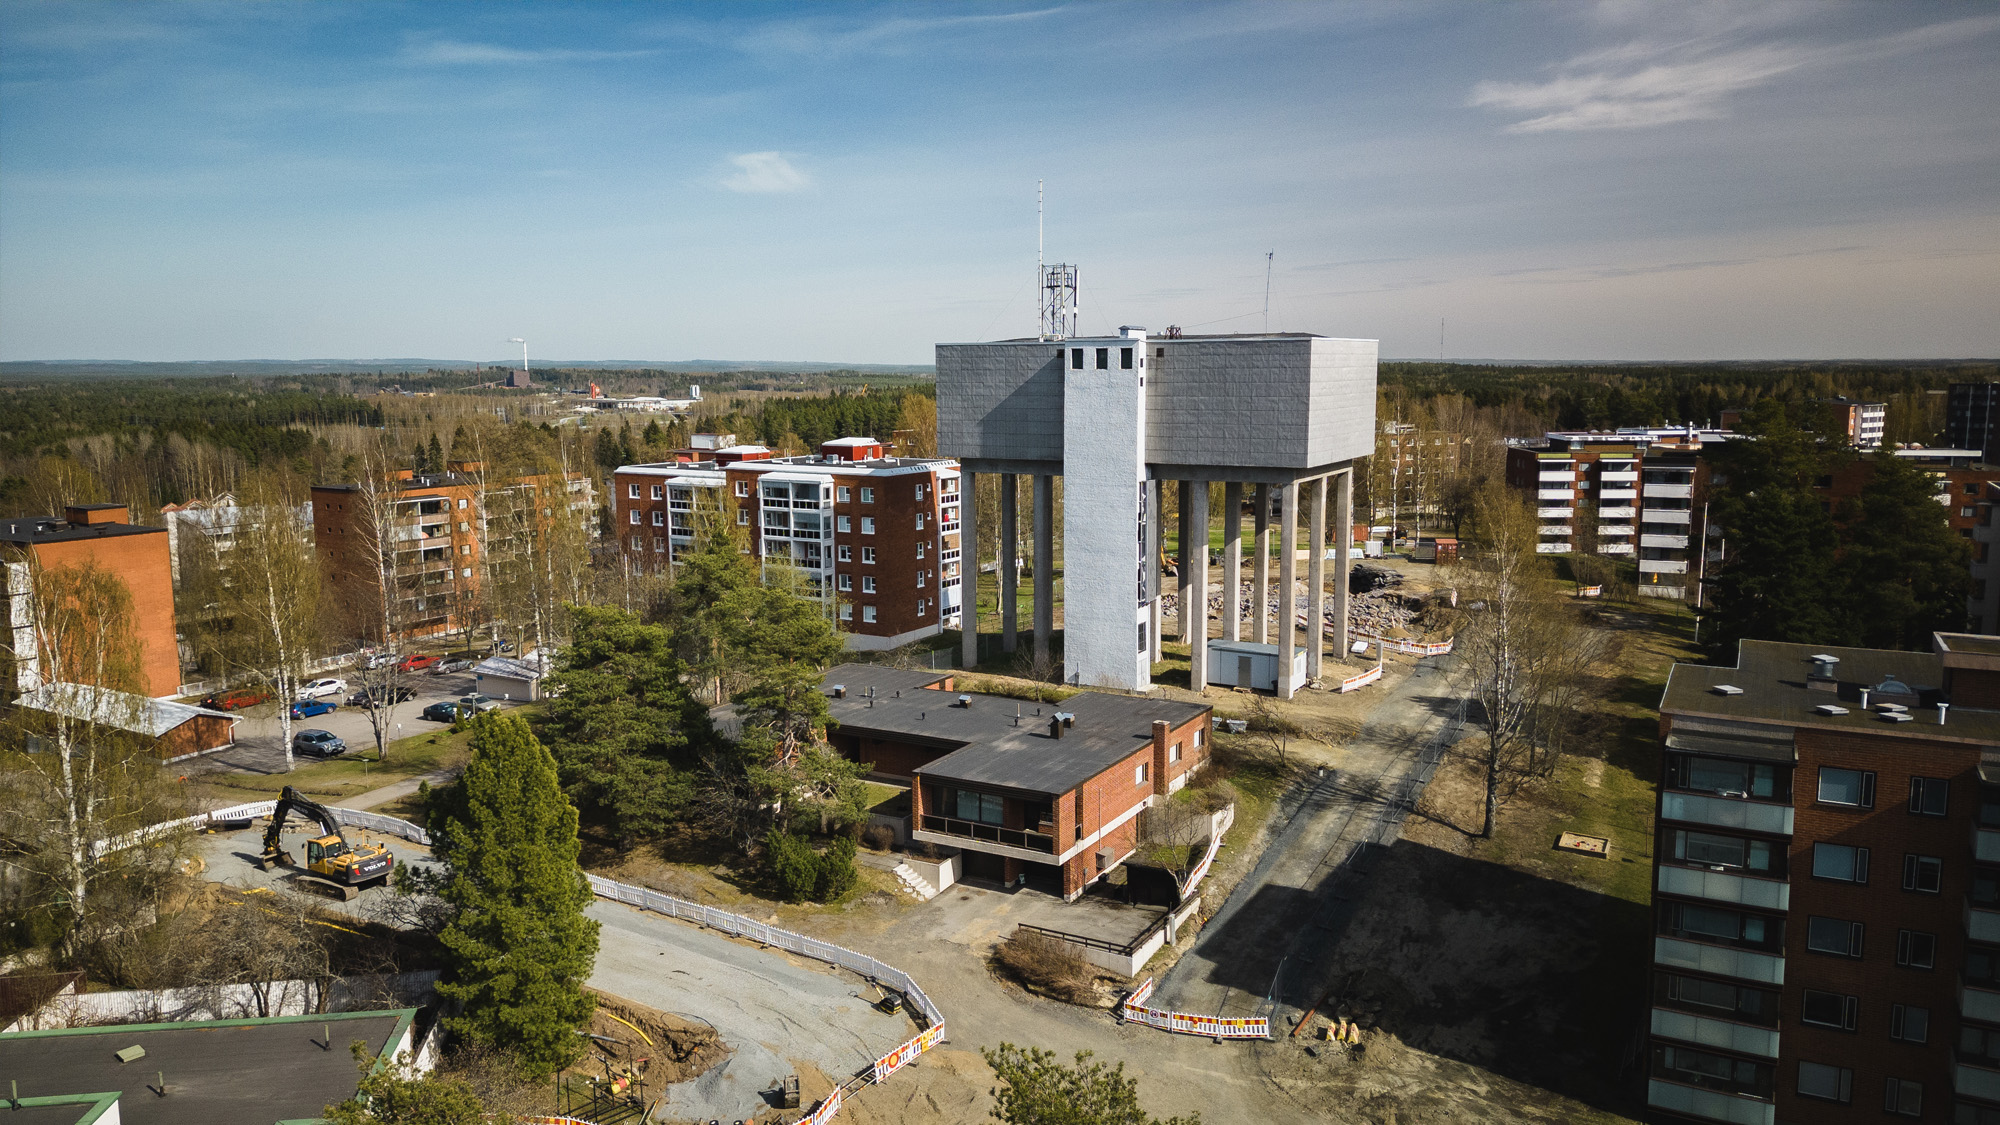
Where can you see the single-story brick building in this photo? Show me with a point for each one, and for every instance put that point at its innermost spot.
(1047, 793)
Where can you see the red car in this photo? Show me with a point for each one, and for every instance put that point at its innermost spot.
(416, 662)
(235, 700)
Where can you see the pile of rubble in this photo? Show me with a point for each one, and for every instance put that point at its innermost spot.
(1382, 611)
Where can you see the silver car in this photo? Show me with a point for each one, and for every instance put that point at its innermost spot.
(479, 702)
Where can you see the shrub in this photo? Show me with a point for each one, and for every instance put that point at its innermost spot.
(792, 864)
(836, 873)
(879, 837)
(1048, 965)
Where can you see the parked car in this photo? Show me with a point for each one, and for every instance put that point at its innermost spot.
(416, 662)
(478, 703)
(375, 660)
(307, 708)
(366, 698)
(317, 688)
(235, 700)
(318, 743)
(447, 667)
(443, 712)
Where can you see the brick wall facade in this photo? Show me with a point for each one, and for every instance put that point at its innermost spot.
(142, 562)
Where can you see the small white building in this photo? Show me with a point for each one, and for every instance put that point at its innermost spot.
(1251, 665)
(511, 679)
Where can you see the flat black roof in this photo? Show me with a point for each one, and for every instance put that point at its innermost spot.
(985, 745)
(218, 1072)
(48, 529)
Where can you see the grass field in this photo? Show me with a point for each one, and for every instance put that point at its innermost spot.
(352, 775)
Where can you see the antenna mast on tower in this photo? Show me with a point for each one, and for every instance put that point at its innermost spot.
(1057, 285)
(1268, 256)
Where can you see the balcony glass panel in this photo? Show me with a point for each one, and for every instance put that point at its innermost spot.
(1743, 964)
(1721, 886)
(1982, 925)
(1726, 813)
(1986, 846)
(1979, 1004)
(1712, 1104)
(1619, 512)
(1691, 1028)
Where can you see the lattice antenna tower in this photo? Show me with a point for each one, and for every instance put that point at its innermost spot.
(1057, 286)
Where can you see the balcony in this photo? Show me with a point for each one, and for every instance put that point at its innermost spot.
(1619, 493)
(1663, 566)
(1617, 512)
(1553, 547)
(1979, 1004)
(1553, 513)
(1742, 964)
(1627, 477)
(1625, 529)
(1726, 812)
(973, 830)
(1712, 1104)
(1614, 548)
(1721, 886)
(1976, 1082)
(1982, 925)
(1986, 845)
(1550, 477)
(1669, 515)
(1674, 542)
(1670, 491)
(1555, 494)
(1690, 1028)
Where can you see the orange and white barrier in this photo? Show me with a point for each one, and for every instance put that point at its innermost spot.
(907, 1053)
(824, 1111)
(1360, 680)
(1410, 648)
(1214, 1027)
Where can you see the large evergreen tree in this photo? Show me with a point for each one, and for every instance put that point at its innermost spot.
(1905, 570)
(518, 947)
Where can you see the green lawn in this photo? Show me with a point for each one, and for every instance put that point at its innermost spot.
(356, 773)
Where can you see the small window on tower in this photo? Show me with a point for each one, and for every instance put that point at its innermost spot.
(1125, 359)
(1076, 358)
(1104, 359)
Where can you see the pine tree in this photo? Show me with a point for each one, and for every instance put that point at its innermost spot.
(435, 455)
(518, 947)
(1906, 572)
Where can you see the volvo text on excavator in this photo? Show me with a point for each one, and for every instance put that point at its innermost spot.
(330, 859)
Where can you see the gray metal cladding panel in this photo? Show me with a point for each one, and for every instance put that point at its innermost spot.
(1000, 401)
(1293, 402)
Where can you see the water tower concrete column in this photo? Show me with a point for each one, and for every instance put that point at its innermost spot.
(1232, 561)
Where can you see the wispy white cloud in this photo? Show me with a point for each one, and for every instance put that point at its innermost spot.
(454, 52)
(1647, 83)
(765, 173)
(827, 38)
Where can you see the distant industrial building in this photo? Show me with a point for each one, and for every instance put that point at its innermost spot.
(1117, 418)
(1826, 881)
(1972, 419)
(874, 537)
(100, 535)
(1861, 423)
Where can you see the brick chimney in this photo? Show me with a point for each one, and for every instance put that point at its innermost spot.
(1160, 729)
(92, 515)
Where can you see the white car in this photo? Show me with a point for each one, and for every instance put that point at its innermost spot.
(318, 688)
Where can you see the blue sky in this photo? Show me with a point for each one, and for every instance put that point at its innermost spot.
(855, 182)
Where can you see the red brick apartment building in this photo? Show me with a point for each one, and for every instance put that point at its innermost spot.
(440, 538)
(102, 534)
(1827, 887)
(876, 537)
(1050, 795)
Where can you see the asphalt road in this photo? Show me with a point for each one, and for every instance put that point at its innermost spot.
(1262, 943)
(773, 1010)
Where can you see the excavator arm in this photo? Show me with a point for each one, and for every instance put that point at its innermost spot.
(290, 801)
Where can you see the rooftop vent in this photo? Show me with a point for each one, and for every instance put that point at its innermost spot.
(1897, 716)
(1824, 669)
(965, 701)
(840, 691)
(1891, 708)
(1830, 709)
(1726, 689)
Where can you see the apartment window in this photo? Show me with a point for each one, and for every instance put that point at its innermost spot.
(1125, 359)
(1963, 513)
(1830, 1009)
(659, 547)
(461, 504)
(847, 613)
(920, 489)
(1923, 874)
(843, 582)
(845, 553)
(634, 514)
(1833, 1083)
(844, 494)
(1716, 998)
(1076, 358)
(1198, 739)
(1834, 935)
(1174, 752)
(1915, 949)
(1853, 788)
(1838, 861)
(742, 488)
(923, 606)
(636, 543)
(743, 517)
(1728, 779)
(464, 526)
(1909, 1024)
(841, 523)
(920, 521)
(1142, 773)
(1726, 927)
(1711, 850)
(1711, 1071)
(867, 496)
(1104, 359)
(1979, 1044)
(632, 490)
(867, 583)
(867, 525)
(921, 575)
(1904, 1098)
(1928, 794)
(921, 548)
(659, 492)
(659, 519)
(868, 614)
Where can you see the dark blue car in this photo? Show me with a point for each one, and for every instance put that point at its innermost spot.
(307, 708)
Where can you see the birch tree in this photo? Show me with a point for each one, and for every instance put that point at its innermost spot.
(270, 596)
(72, 779)
(377, 570)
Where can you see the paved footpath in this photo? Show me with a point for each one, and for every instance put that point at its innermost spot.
(1266, 939)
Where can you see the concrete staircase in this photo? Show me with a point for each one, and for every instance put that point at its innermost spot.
(912, 882)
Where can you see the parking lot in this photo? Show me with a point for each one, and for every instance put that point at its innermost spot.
(259, 739)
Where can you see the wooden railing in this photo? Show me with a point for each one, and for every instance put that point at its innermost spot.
(1012, 837)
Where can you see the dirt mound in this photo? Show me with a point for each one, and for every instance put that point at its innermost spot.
(679, 1049)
